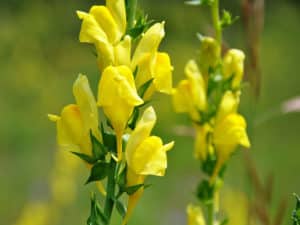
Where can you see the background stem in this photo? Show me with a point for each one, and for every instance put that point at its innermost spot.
(216, 20)
(132, 5)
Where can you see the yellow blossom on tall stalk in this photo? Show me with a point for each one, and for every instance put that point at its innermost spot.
(117, 96)
(210, 96)
(145, 155)
(131, 70)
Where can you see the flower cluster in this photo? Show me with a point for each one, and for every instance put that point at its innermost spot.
(210, 95)
(120, 148)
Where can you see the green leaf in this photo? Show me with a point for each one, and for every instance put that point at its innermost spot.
(226, 19)
(120, 208)
(98, 149)
(142, 90)
(98, 172)
(85, 158)
(205, 192)
(132, 189)
(209, 164)
(109, 140)
(96, 215)
(121, 172)
(133, 119)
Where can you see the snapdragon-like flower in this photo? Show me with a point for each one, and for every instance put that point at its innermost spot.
(195, 215)
(190, 94)
(145, 155)
(104, 26)
(76, 120)
(233, 65)
(229, 131)
(100, 28)
(117, 96)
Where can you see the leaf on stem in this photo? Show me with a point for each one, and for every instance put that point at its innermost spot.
(96, 215)
(98, 172)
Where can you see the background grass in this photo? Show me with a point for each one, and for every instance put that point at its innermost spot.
(40, 57)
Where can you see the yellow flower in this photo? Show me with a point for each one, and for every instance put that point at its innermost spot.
(228, 134)
(233, 65)
(70, 130)
(190, 95)
(148, 44)
(104, 26)
(152, 64)
(117, 96)
(195, 215)
(202, 142)
(210, 52)
(145, 155)
(76, 121)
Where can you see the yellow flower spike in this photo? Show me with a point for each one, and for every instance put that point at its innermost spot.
(87, 105)
(195, 215)
(202, 143)
(233, 65)
(228, 134)
(117, 96)
(210, 52)
(145, 155)
(229, 104)
(149, 43)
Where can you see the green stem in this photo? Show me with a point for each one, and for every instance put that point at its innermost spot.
(216, 20)
(110, 189)
(132, 5)
(211, 213)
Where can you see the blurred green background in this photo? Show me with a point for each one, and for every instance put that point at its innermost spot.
(40, 57)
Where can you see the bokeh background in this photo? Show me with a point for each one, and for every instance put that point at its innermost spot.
(40, 57)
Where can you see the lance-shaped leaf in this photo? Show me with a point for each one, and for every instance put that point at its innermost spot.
(98, 172)
(96, 215)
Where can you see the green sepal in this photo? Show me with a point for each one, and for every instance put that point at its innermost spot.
(109, 140)
(96, 215)
(133, 119)
(142, 90)
(141, 25)
(98, 172)
(98, 149)
(205, 192)
(86, 158)
(132, 189)
(120, 175)
(120, 208)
